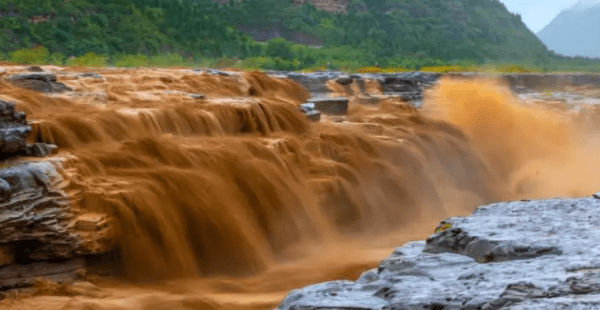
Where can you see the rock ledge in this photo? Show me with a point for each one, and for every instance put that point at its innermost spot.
(539, 254)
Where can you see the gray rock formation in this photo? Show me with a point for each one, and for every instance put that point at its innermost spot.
(516, 255)
(37, 223)
(409, 86)
(13, 134)
(309, 110)
(91, 75)
(41, 234)
(15, 275)
(42, 82)
(332, 106)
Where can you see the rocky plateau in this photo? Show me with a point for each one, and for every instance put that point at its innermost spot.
(537, 254)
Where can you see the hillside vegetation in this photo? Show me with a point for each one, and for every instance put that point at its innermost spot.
(385, 33)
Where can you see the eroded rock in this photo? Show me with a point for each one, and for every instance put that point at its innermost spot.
(38, 223)
(42, 82)
(332, 106)
(309, 110)
(14, 131)
(455, 240)
(538, 254)
(20, 275)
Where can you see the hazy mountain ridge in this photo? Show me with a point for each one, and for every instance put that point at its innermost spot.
(584, 5)
(576, 31)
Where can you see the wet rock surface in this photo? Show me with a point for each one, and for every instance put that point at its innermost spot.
(309, 110)
(14, 131)
(538, 254)
(332, 106)
(410, 86)
(42, 82)
(16, 275)
(37, 224)
(41, 235)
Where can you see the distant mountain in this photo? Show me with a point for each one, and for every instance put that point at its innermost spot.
(585, 4)
(576, 31)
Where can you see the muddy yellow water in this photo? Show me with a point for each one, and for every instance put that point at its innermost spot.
(229, 202)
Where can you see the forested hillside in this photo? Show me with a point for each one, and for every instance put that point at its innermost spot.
(75, 27)
(374, 32)
(444, 29)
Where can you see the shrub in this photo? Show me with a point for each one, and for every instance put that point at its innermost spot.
(167, 60)
(133, 61)
(265, 63)
(56, 59)
(224, 62)
(37, 55)
(88, 60)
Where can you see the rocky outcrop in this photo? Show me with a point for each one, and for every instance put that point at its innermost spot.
(410, 86)
(41, 234)
(332, 106)
(309, 110)
(17, 275)
(407, 86)
(42, 82)
(13, 134)
(39, 227)
(515, 255)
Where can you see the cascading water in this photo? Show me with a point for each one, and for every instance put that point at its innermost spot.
(231, 201)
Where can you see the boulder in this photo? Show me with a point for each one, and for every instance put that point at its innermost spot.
(344, 80)
(35, 69)
(332, 106)
(13, 134)
(198, 96)
(309, 110)
(538, 254)
(42, 82)
(91, 75)
(457, 241)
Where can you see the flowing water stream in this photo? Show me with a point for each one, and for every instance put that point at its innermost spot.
(231, 201)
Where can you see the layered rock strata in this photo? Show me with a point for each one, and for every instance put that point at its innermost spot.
(14, 131)
(41, 234)
(515, 255)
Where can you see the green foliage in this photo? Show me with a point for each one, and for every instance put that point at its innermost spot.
(36, 55)
(56, 59)
(375, 34)
(132, 61)
(88, 60)
(167, 60)
(279, 47)
(266, 63)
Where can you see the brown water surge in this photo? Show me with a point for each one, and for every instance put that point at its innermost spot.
(538, 150)
(240, 184)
